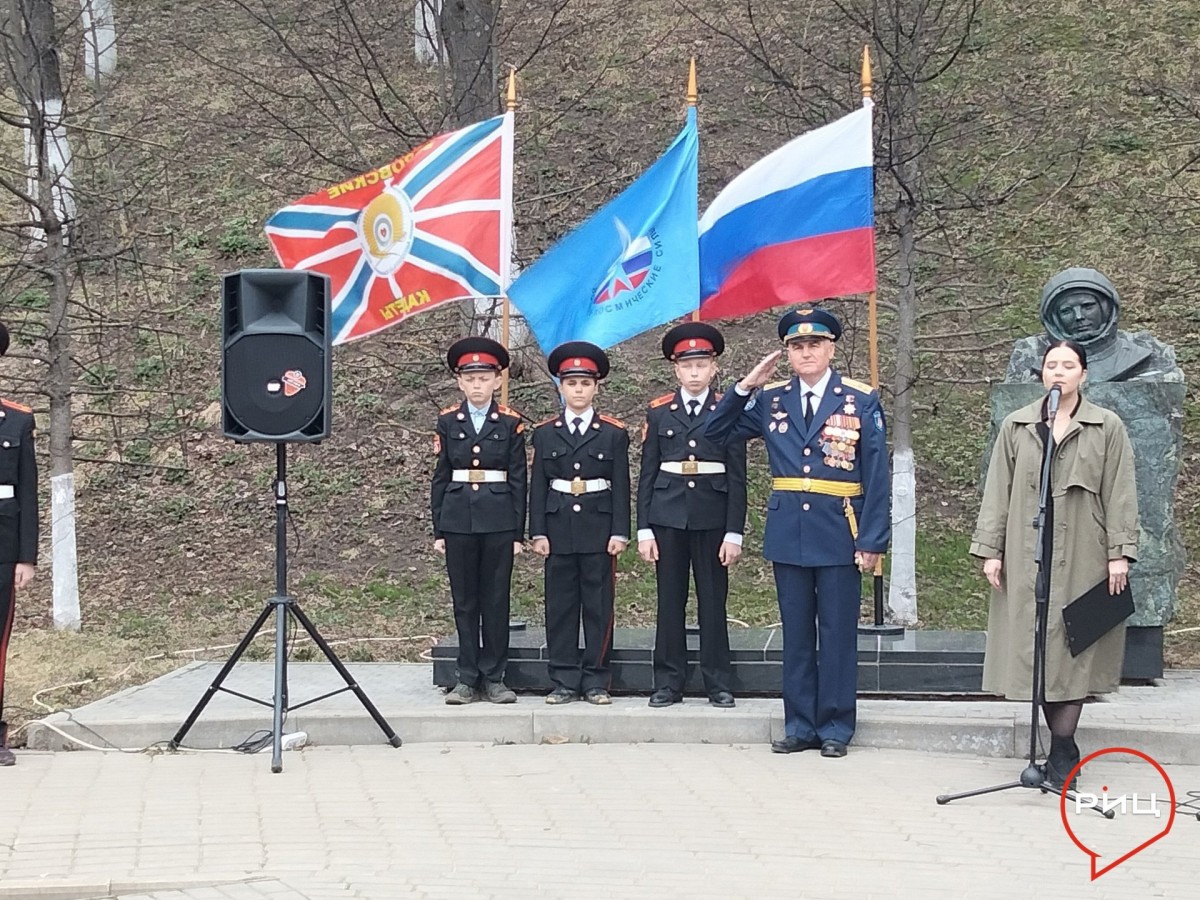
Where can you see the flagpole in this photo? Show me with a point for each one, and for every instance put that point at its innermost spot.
(878, 627)
(693, 97)
(510, 106)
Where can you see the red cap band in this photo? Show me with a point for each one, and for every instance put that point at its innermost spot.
(692, 344)
(478, 359)
(575, 363)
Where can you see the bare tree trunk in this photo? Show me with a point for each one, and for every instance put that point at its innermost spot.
(466, 27)
(30, 42)
(902, 587)
(99, 38)
(427, 38)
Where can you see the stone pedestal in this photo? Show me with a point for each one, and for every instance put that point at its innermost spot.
(1153, 414)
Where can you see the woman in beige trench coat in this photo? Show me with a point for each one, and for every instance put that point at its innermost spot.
(1094, 529)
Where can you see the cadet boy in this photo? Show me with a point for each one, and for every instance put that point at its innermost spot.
(18, 524)
(691, 510)
(478, 505)
(579, 521)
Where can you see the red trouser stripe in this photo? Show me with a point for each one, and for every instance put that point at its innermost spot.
(8, 613)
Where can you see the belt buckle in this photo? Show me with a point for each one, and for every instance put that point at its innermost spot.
(578, 487)
(691, 467)
(475, 476)
(806, 484)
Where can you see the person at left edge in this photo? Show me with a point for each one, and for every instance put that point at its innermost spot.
(478, 504)
(579, 520)
(691, 511)
(18, 523)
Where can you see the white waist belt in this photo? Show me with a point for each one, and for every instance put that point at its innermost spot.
(7, 491)
(693, 467)
(478, 476)
(580, 485)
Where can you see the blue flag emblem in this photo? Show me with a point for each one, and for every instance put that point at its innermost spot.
(632, 266)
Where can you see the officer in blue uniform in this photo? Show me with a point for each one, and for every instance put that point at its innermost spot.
(827, 519)
(18, 524)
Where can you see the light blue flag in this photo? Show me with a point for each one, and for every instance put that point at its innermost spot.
(632, 266)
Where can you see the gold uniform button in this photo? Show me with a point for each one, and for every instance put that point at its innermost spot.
(805, 507)
(475, 449)
(577, 508)
(808, 451)
(807, 469)
(691, 484)
(670, 433)
(474, 487)
(692, 457)
(474, 462)
(577, 465)
(691, 443)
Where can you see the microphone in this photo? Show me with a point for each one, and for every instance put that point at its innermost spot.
(1052, 402)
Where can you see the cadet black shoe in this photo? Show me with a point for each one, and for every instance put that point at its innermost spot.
(833, 749)
(794, 745)
(665, 697)
(560, 695)
(598, 697)
(461, 694)
(6, 757)
(723, 699)
(498, 692)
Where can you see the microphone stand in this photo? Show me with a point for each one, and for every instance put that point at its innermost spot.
(1033, 776)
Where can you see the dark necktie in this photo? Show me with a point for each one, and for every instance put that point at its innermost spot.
(693, 408)
(809, 403)
(577, 426)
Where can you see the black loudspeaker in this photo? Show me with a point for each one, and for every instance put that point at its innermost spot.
(277, 368)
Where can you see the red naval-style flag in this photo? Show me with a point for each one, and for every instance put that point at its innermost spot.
(432, 226)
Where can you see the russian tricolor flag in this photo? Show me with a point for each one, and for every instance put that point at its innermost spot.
(798, 225)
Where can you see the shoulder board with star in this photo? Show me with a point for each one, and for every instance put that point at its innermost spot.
(20, 407)
(611, 421)
(450, 409)
(662, 401)
(776, 384)
(860, 386)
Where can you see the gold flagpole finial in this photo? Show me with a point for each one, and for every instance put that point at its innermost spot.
(512, 89)
(867, 90)
(693, 96)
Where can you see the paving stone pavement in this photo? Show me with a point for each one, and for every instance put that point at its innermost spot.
(571, 820)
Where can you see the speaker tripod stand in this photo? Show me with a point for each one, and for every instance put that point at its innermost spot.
(283, 606)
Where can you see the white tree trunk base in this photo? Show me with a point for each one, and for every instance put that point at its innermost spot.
(902, 587)
(99, 38)
(65, 560)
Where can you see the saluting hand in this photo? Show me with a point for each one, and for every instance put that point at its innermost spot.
(762, 373)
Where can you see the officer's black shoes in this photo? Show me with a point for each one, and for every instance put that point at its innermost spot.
(6, 757)
(461, 694)
(833, 749)
(794, 745)
(560, 695)
(722, 699)
(498, 692)
(665, 697)
(598, 697)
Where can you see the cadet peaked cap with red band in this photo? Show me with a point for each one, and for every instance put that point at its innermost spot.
(692, 339)
(477, 354)
(809, 322)
(578, 358)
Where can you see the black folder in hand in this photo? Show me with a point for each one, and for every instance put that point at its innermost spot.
(1094, 614)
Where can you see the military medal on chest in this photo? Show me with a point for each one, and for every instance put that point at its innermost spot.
(839, 438)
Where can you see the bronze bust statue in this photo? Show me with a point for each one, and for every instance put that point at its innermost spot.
(1083, 305)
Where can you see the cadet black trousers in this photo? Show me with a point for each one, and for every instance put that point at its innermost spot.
(8, 607)
(579, 586)
(480, 568)
(680, 554)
